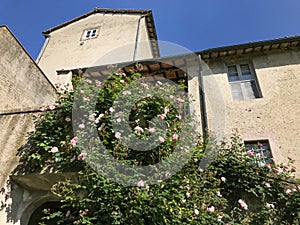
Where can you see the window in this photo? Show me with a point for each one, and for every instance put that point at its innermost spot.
(91, 33)
(243, 82)
(261, 151)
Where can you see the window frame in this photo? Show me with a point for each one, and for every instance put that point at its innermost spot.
(241, 80)
(85, 36)
(259, 157)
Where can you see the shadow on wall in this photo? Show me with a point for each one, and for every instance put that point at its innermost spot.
(28, 192)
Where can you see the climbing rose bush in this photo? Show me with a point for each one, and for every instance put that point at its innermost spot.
(231, 190)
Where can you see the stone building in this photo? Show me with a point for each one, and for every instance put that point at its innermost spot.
(24, 88)
(260, 88)
(100, 37)
(253, 87)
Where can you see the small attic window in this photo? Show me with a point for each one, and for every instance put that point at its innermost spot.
(90, 33)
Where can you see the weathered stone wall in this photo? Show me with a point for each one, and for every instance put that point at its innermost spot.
(13, 135)
(21, 80)
(64, 49)
(23, 87)
(275, 116)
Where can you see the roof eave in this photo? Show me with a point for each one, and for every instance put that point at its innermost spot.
(97, 10)
(260, 46)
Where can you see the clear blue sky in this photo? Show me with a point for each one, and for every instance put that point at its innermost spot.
(194, 24)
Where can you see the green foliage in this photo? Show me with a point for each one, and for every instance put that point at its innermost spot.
(231, 190)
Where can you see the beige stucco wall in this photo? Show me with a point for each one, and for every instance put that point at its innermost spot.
(193, 70)
(13, 134)
(275, 116)
(23, 88)
(21, 79)
(115, 43)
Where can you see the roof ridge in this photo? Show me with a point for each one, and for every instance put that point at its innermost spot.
(97, 10)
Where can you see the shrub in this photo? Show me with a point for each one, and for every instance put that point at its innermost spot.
(231, 190)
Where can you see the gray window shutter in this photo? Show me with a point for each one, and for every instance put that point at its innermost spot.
(236, 91)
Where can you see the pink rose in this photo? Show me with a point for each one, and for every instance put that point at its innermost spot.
(151, 130)
(92, 116)
(42, 109)
(188, 194)
(54, 149)
(98, 83)
(126, 93)
(74, 141)
(138, 130)
(286, 166)
(243, 204)
(68, 213)
(161, 116)
(161, 139)
(179, 100)
(51, 107)
(175, 137)
(36, 115)
(166, 110)
(249, 152)
(82, 156)
(210, 209)
(144, 86)
(141, 183)
(118, 135)
(178, 117)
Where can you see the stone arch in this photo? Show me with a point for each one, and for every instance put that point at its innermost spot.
(35, 206)
(38, 213)
(33, 190)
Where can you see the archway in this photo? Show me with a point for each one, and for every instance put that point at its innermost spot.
(39, 213)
